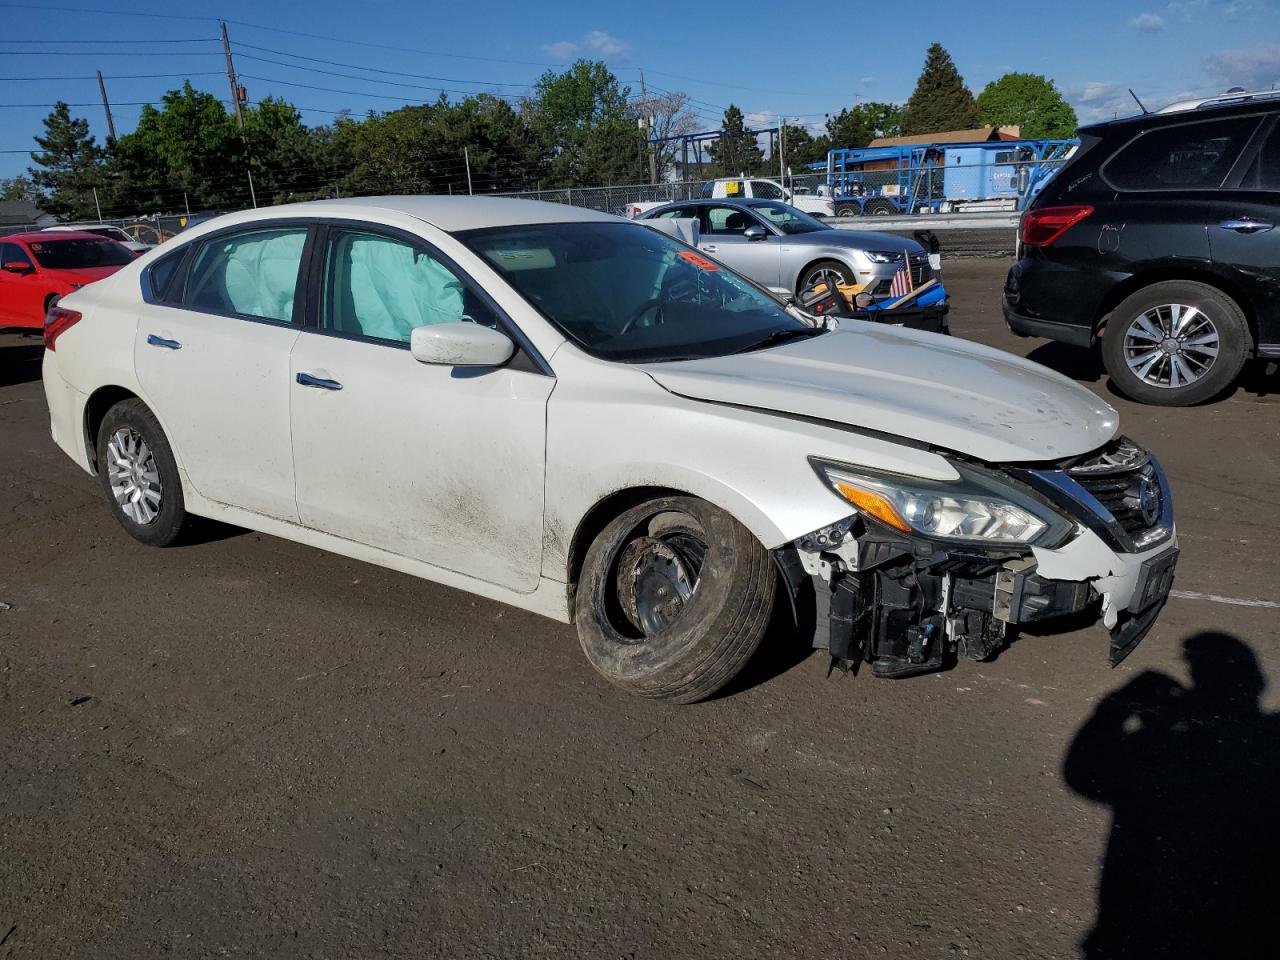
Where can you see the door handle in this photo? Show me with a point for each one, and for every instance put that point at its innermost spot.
(155, 341)
(709, 248)
(307, 380)
(1246, 225)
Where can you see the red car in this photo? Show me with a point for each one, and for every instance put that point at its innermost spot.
(38, 268)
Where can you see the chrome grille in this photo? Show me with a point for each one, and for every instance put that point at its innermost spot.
(1124, 480)
(920, 271)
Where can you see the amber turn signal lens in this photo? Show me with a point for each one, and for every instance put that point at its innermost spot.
(873, 505)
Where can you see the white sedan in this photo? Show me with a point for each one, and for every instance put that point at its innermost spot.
(583, 417)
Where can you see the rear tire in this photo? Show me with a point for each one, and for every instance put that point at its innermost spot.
(847, 210)
(674, 598)
(879, 208)
(139, 475)
(1175, 343)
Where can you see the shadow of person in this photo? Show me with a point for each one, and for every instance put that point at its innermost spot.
(1192, 775)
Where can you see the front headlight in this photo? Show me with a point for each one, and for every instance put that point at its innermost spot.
(979, 507)
(884, 256)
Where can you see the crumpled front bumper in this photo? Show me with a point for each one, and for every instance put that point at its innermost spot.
(906, 603)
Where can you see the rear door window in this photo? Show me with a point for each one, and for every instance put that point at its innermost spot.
(1264, 171)
(251, 274)
(1188, 156)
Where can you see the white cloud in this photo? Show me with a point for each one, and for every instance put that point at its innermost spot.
(561, 49)
(595, 43)
(1147, 23)
(868, 81)
(1100, 100)
(605, 45)
(1254, 69)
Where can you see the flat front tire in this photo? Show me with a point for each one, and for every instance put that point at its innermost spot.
(1175, 343)
(139, 475)
(674, 598)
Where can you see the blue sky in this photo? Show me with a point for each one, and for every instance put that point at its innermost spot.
(767, 58)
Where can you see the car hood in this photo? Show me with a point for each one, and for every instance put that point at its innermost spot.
(86, 274)
(858, 239)
(920, 386)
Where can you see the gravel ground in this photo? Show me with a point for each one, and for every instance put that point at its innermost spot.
(244, 747)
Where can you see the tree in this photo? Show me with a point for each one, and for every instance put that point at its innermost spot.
(857, 126)
(428, 148)
(20, 188)
(1030, 101)
(736, 152)
(941, 101)
(800, 147)
(68, 166)
(586, 127)
(668, 115)
(188, 150)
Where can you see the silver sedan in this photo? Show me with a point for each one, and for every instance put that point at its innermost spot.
(786, 250)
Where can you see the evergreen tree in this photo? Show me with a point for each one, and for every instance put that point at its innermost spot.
(941, 101)
(68, 165)
(736, 152)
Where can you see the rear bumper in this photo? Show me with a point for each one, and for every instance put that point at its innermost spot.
(1025, 326)
(66, 413)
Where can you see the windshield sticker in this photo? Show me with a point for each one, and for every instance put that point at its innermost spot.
(37, 246)
(701, 262)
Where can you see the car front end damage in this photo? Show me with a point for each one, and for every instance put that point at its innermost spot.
(921, 573)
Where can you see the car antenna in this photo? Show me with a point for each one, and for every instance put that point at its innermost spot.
(1138, 102)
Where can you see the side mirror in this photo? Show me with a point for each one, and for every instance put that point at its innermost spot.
(460, 344)
(755, 232)
(18, 266)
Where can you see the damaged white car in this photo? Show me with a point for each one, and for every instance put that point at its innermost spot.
(583, 417)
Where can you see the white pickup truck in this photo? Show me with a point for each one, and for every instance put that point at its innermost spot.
(742, 188)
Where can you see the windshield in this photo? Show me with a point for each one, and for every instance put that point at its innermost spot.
(80, 254)
(788, 219)
(627, 292)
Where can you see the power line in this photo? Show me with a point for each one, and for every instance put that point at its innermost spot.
(359, 93)
(60, 42)
(124, 76)
(356, 66)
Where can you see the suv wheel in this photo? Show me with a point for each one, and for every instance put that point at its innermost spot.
(1175, 343)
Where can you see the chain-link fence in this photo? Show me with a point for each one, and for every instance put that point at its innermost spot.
(869, 190)
(864, 190)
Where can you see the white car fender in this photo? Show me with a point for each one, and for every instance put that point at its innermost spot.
(618, 430)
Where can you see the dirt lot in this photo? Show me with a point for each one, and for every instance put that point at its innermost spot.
(245, 747)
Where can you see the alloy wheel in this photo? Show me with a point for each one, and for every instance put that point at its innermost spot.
(1172, 345)
(134, 476)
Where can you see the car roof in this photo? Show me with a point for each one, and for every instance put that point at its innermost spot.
(71, 227)
(449, 213)
(1187, 111)
(40, 236)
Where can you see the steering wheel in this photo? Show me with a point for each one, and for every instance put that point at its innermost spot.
(639, 312)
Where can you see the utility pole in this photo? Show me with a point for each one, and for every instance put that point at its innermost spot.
(252, 196)
(106, 106)
(97, 204)
(466, 156)
(231, 75)
(650, 148)
(782, 167)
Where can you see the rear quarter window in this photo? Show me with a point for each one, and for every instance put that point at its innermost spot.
(1185, 156)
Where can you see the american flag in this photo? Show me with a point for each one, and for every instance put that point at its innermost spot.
(901, 284)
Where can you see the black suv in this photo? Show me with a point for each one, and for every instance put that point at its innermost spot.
(1157, 237)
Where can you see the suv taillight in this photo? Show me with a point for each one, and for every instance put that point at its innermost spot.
(1043, 226)
(57, 322)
